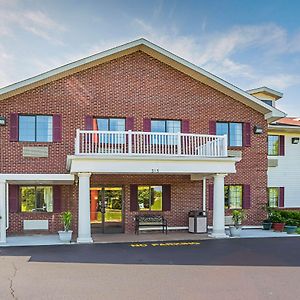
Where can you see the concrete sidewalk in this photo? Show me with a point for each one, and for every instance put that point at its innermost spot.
(147, 236)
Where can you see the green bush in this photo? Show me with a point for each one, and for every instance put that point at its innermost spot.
(290, 217)
(298, 230)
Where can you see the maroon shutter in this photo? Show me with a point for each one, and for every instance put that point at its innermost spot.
(185, 126)
(210, 196)
(281, 145)
(147, 125)
(129, 123)
(57, 128)
(88, 123)
(13, 198)
(281, 197)
(212, 127)
(57, 198)
(166, 197)
(246, 134)
(246, 196)
(133, 197)
(14, 127)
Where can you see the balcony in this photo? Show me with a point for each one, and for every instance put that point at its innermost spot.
(137, 143)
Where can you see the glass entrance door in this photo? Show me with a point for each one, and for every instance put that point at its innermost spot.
(106, 209)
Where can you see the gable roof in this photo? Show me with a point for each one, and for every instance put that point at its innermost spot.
(287, 124)
(271, 114)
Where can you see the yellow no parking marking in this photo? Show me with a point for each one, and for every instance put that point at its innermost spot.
(166, 244)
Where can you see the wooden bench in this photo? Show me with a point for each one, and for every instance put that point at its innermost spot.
(150, 221)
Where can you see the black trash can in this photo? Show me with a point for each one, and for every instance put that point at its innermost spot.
(197, 221)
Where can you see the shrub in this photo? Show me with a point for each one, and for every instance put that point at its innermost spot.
(66, 218)
(286, 216)
(238, 217)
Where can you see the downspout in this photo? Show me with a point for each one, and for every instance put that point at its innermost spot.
(7, 208)
(204, 194)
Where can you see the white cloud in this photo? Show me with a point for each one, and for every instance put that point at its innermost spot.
(34, 21)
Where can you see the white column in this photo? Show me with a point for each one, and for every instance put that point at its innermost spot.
(2, 212)
(218, 207)
(84, 223)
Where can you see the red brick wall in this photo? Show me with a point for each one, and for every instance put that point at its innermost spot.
(140, 86)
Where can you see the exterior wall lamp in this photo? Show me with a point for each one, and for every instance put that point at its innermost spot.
(295, 140)
(2, 121)
(258, 129)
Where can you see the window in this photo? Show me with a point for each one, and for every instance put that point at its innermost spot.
(110, 124)
(150, 198)
(269, 102)
(233, 196)
(234, 132)
(273, 196)
(35, 128)
(273, 145)
(171, 126)
(36, 198)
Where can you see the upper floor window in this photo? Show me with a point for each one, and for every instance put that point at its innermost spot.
(269, 102)
(109, 124)
(172, 126)
(273, 145)
(233, 196)
(234, 132)
(36, 198)
(35, 128)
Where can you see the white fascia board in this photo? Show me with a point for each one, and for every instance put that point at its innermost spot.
(256, 103)
(39, 178)
(267, 90)
(284, 128)
(129, 165)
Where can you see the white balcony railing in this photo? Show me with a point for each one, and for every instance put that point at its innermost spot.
(89, 142)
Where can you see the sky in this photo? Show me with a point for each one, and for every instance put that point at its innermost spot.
(249, 43)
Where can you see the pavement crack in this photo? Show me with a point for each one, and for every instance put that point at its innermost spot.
(11, 279)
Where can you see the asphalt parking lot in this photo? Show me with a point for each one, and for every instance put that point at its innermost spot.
(225, 252)
(210, 269)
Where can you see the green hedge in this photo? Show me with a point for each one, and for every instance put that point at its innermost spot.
(289, 217)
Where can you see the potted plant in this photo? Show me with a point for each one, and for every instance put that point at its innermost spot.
(278, 221)
(267, 223)
(66, 234)
(290, 226)
(238, 217)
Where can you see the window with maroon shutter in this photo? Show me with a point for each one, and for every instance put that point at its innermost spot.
(13, 195)
(281, 197)
(246, 135)
(88, 123)
(57, 201)
(246, 196)
(133, 197)
(281, 145)
(14, 127)
(57, 128)
(129, 124)
(166, 197)
(210, 196)
(185, 126)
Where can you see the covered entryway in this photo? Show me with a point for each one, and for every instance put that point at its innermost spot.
(106, 209)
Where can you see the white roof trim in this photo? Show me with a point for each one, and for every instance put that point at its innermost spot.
(285, 128)
(271, 113)
(39, 178)
(266, 90)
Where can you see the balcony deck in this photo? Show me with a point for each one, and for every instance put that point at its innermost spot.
(138, 143)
